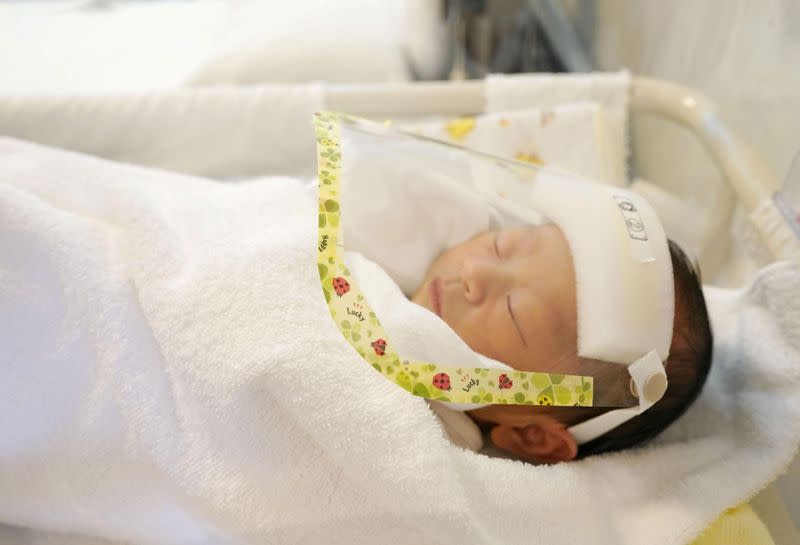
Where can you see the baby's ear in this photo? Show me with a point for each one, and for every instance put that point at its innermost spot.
(543, 440)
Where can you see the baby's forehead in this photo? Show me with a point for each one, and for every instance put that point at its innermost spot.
(531, 228)
(545, 241)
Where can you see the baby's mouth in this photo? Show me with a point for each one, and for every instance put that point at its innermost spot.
(436, 296)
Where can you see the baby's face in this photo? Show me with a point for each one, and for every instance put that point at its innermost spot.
(510, 295)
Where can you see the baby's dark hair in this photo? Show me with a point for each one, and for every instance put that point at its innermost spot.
(687, 366)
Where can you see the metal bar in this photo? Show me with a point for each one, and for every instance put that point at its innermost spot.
(561, 33)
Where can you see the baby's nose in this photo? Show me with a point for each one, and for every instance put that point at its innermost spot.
(479, 277)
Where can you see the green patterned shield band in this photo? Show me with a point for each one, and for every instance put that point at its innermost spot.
(358, 323)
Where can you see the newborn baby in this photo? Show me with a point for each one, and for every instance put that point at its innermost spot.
(511, 296)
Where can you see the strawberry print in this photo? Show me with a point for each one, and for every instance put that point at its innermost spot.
(340, 286)
(441, 381)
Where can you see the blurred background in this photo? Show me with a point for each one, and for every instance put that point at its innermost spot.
(743, 54)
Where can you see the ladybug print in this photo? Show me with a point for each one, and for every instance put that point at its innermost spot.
(379, 347)
(504, 382)
(340, 286)
(544, 399)
(441, 381)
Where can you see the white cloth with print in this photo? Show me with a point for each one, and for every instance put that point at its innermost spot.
(577, 135)
(512, 92)
(171, 375)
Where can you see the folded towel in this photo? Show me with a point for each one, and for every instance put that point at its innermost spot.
(171, 374)
(505, 93)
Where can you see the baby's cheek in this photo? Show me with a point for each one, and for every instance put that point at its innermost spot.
(470, 326)
(500, 339)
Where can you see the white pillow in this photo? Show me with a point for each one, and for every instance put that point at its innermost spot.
(312, 40)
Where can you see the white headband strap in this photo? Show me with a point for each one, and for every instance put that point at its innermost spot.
(650, 379)
(625, 287)
(625, 292)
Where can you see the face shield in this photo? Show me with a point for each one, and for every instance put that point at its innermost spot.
(624, 291)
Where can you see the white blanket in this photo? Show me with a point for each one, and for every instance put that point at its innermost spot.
(171, 375)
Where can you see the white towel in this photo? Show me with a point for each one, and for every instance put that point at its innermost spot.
(222, 132)
(505, 93)
(171, 375)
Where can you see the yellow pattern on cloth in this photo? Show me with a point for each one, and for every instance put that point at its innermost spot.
(458, 129)
(738, 526)
(531, 158)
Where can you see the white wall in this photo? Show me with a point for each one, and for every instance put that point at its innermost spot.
(744, 54)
